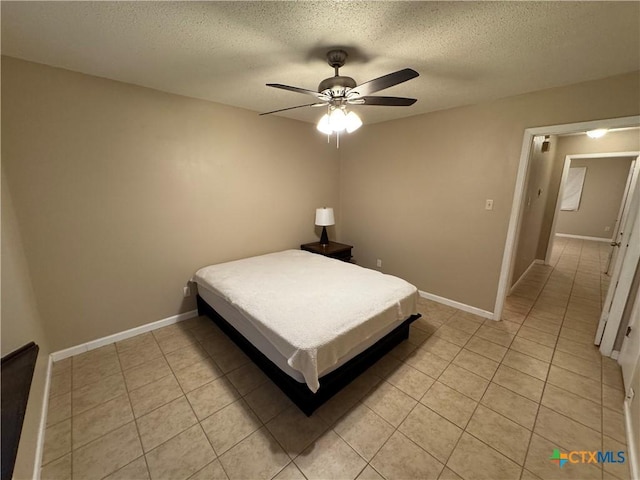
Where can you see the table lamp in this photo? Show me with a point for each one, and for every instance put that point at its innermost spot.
(324, 218)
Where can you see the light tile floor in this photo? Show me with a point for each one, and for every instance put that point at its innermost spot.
(464, 398)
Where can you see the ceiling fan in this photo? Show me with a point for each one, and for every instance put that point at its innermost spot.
(338, 91)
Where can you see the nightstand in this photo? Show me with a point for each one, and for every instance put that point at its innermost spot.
(336, 250)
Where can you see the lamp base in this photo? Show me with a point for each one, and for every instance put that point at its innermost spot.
(324, 238)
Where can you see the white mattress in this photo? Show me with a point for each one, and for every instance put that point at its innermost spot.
(307, 313)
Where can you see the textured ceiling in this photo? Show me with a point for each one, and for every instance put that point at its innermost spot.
(465, 52)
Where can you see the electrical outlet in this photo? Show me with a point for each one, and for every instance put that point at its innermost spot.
(378, 263)
(488, 204)
(186, 291)
(607, 228)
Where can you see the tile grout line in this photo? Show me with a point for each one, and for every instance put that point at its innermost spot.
(600, 278)
(601, 366)
(184, 394)
(198, 421)
(545, 382)
(127, 390)
(172, 373)
(396, 429)
(135, 420)
(601, 406)
(544, 387)
(99, 381)
(240, 397)
(464, 430)
(522, 467)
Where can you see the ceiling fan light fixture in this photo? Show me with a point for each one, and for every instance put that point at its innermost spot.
(324, 126)
(339, 91)
(337, 120)
(353, 122)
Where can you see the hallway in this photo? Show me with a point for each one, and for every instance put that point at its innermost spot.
(559, 306)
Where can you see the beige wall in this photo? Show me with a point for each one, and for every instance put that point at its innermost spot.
(535, 199)
(21, 324)
(602, 192)
(412, 191)
(122, 193)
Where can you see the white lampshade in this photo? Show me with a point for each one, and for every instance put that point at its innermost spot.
(323, 125)
(324, 217)
(353, 122)
(338, 120)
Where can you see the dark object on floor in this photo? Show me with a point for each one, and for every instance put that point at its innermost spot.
(17, 373)
(330, 384)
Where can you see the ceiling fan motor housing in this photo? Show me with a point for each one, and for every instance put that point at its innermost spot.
(336, 58)
(337, 85)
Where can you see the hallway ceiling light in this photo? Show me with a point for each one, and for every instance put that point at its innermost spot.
(600, 132)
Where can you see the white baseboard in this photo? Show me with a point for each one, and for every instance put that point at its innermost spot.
(524, 274)
(460, 306)
(632, 452)
(582, 237)
(116, 337)
(43, 421)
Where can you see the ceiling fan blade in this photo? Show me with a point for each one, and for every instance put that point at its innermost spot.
(383, 82)
(298, 90)
(388, 101)
(298, 106)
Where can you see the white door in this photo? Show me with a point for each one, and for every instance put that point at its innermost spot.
(630, 352)
(621, 279)
(623, 214)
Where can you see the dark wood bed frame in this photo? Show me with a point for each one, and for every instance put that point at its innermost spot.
(17, 374)
(331, 383)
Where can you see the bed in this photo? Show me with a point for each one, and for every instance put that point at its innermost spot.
(311, 323)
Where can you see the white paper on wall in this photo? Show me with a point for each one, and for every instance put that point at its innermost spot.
(573, 188)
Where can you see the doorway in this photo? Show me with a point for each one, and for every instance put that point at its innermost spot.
(631, 168)
(519, 198)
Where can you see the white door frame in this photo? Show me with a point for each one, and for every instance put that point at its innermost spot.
(565, 171)
(519, 192)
